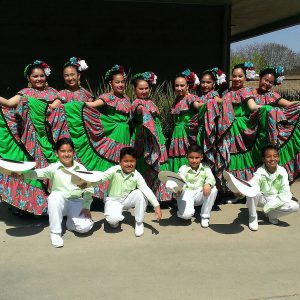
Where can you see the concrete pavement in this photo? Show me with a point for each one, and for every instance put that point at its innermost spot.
(173, 260)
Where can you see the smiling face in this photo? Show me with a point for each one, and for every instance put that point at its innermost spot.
(271, 160)
(65, 155)
(142, 89)
(266, 82)
(194, 159)
(128, 163)
(207, 84)
(118, 84)
(37, 79)
(71, 77)
(181, 86)
(238, 78)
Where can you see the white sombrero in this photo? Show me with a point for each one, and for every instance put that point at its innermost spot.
(80, 177)
(7, 166)
(172, 180)
(240, 186)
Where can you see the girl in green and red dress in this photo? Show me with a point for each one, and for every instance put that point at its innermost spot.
(148, 138)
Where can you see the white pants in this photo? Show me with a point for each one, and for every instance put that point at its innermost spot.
(58, 207)
(115, 206)
(288, 207)
(191, 198)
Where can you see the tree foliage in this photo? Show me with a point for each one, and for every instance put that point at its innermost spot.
(263, 54)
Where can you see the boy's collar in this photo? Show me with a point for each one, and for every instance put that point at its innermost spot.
(199, 167)
(74, 166)
(126, 174)
(264, 170)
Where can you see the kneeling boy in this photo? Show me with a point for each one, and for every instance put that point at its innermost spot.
(66, 198)
(274, 196)
(127, 189)
(199, 188)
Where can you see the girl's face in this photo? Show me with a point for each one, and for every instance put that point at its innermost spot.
(71, 77)
(238, 78)
(207, 84)
(37, 79)
(118, 84)
(181, 86)
(266, 82)
(142, 89)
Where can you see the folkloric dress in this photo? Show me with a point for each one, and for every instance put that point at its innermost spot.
(24, 137)
(236, 136)
(150, 144)
(207, 119)
(282, 129)
(185, 130)
(57, 117)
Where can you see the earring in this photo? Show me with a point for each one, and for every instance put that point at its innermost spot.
(79, 83)
(29, 85)
(46, 84)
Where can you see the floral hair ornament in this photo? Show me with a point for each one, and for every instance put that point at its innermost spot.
(77, 62)
(191, 78)
(39, 64)
(250, 71)
(148, 76)
(220, 76)
(119, 68)
(279, 74)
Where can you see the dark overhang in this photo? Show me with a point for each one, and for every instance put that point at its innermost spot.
(250, 17)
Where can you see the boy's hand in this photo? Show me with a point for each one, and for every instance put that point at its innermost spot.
(17, 175)
(83, 185)
(206, 190)
(176, 195)
(86, 213)
(158, 213)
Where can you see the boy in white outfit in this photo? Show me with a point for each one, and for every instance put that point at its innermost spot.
(127, 189)
(274, 196)
(199, 187)
(66, 198)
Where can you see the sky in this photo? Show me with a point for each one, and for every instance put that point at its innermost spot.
(289, 37)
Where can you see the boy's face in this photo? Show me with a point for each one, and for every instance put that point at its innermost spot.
(271, 159)
(128, 163)
(194, 159)
(65, 155)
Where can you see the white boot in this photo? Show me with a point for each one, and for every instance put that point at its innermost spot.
(56, 240)
(139, 229)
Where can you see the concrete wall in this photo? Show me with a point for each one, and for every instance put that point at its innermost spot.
(165, 38)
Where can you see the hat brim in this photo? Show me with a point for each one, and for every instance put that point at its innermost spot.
(164, 176)
(237, 185)
(7, 166)
(85, 176)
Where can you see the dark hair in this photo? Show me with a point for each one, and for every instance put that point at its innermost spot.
(194, 148)
(268, 147)
(63, 141)
(210, 73)
(267, 71)
(69, 64)
(128, 151)
(134, 81)
(111, 75)
(32, 67)
(239, 66)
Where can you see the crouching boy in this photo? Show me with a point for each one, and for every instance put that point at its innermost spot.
(127, 189)
(199, 188)
(66, 198)
(274, 197)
